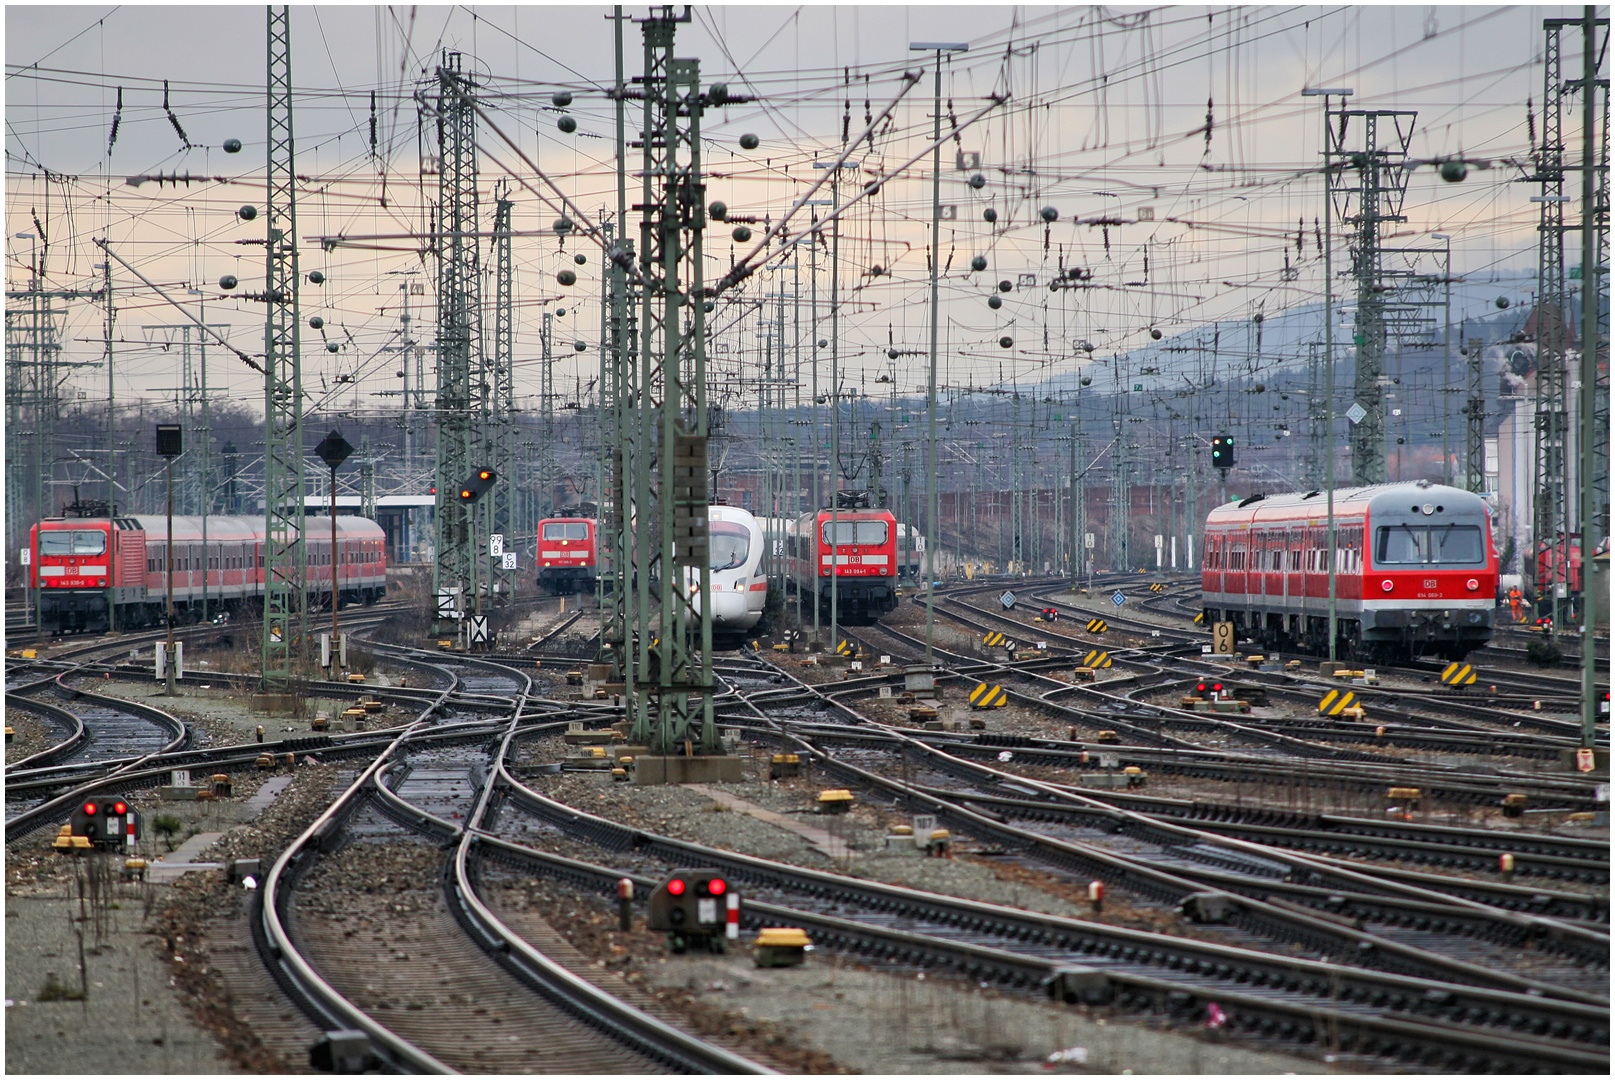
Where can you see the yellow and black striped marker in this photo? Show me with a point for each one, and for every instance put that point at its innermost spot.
(993, 638)
(1336, 702)
(1199, 618)
(1097, 626)
(987, 696)
(1458, 673)
(846, 649)
(1156, 586)
(1096, 659)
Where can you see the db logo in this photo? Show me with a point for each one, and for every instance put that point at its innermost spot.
(1430, 583)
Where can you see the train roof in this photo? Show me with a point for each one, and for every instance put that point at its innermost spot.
(1374, 498)
(227, 528)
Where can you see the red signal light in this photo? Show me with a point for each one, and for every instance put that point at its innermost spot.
(485, 474)
(120, 808)
(432, 490)
(1217, 687)
(1201, 688)
(717, 886)
(90, 808)
(676, 887)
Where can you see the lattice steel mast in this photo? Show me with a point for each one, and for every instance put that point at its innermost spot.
(1373, 200)
(502, 371)
(672, 708)
(285, 569)
(459, 323)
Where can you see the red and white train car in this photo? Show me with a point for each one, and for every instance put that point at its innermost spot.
(96, 574)
(1415, 570)
(861, 546)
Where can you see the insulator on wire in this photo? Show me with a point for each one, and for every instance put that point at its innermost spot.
(172, 119)
(117, 118)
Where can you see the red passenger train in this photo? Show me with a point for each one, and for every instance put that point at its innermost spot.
(863, 545)
(568, 556)
(1415, 570)
(96, 574)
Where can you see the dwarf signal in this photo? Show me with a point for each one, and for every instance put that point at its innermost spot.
(696, 908)
(106, 823)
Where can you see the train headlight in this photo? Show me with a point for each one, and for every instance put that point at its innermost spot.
(1471, 584)
(1386, 585)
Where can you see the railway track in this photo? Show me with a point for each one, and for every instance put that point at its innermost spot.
(1184, 850)
(576, 1025)
(1373, 1013)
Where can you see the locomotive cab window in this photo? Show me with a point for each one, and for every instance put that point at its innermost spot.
(855, 533)
(1406, 544)
(566, 530)
(72, 542)
(729, 543)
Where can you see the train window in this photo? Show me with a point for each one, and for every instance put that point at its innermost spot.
(855, 533)
(89, 542)
(728, 544)
(566, 530)
(1456, 543)
(55, 542)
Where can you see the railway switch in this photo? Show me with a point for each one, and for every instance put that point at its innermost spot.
(695, 908)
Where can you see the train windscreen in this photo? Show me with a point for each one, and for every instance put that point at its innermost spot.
(72, 542)
(855, 533)
(1423, 545)
(566, 530)
(728, 544)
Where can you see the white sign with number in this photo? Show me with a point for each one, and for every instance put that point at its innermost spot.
(507, 561)
(496, 544)
(1087, 541)
(27, 556)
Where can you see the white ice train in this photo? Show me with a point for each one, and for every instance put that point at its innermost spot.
(737, 550)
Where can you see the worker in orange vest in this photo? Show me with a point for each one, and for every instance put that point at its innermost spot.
(1514, 601)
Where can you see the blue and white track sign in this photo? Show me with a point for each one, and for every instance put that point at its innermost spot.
(1118, 599)
(1008, 599)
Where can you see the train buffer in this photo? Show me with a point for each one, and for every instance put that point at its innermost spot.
(1096, 659)
(1097, 626)
(988, 696)
(1458, 675)
(1340, 703)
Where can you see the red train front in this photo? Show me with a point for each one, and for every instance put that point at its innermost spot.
(1415, 570)
(567, 559)
(861, 545)
(75, 564)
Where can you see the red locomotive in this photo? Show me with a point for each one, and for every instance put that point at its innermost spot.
(863, 546)
(96, 574)
(1415, 570)
(568, 559)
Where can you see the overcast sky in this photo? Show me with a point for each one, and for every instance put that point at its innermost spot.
(1104, 115)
